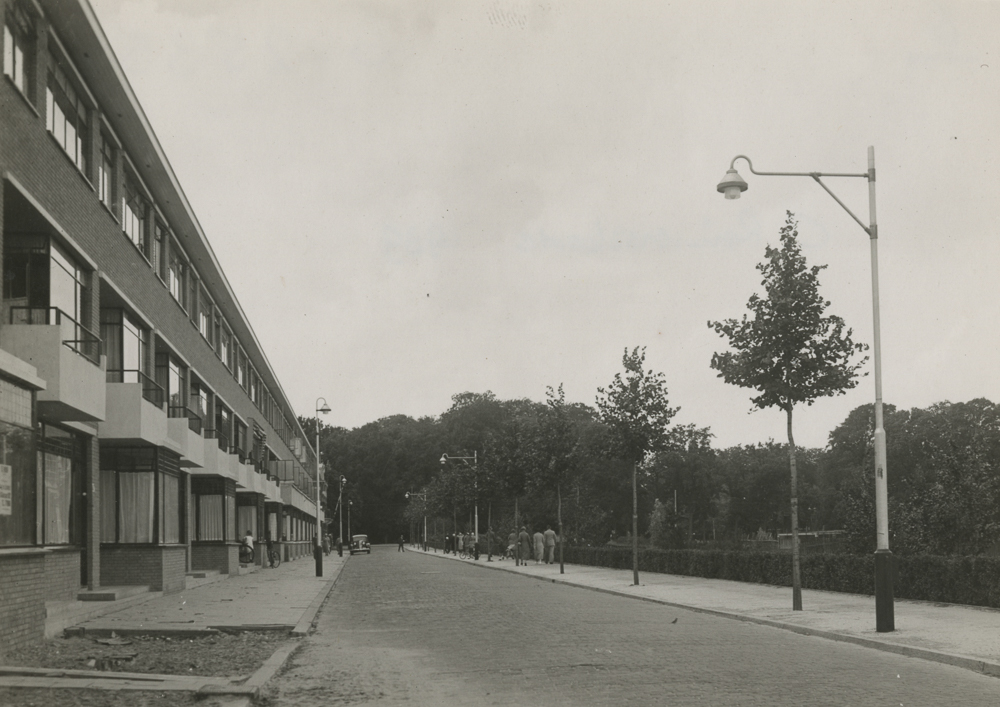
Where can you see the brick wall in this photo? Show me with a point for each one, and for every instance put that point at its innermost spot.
(22, 600)
(62, 575)
(159, 568)
(221, 557)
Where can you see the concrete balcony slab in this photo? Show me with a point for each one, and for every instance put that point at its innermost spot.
(131, 418)
(74, 385)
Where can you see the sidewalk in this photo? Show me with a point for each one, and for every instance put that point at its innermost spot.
(283, 598)
(286, 598)
(963, 636)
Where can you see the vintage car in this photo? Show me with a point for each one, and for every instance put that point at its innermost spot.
(359, 543)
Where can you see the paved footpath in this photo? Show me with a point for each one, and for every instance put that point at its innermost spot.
(278, 598)
(963, 636)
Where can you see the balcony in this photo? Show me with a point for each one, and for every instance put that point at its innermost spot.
(132, 418)
(67, 357)
(184, 431)
(216, 457)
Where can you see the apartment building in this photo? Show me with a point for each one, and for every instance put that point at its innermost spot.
(142, 429)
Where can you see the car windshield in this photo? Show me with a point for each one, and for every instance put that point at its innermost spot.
(360, 538)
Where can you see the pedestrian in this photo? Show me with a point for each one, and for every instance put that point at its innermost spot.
(550, 545)
(401, 548)
(524, 545)
(326, 544)
(461, 543)
(512, 544)
(539, 546)
(475, 545)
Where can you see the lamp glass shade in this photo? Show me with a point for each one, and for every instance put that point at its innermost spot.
(732, 185)
(325, 409)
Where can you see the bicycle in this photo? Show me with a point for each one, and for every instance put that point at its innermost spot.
(273, 557)
(246, 554)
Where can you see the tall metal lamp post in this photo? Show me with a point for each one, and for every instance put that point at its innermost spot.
(318, 543)
(349, 504)
(475, 470)
(340, 513)
(732, 185)
(422, 497)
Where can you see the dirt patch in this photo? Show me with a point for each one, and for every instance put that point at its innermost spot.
(222, 655)
(236, 655)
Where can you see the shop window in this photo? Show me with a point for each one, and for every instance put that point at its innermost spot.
(18, 482)
(247, 520)
(66, 114)
(211, 521)
(19, 47)
(170, 508)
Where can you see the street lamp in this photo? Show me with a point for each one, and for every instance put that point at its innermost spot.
(422, 497)
(475, 470)
(340, 514)
(349, 504)
(318, 545)
(732, 185)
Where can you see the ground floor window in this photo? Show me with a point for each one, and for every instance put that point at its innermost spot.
(60, 504)
(213, 505)
(18, 483)
(140, 496)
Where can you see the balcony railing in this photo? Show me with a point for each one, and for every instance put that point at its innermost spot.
(194, 419)
(151, 391)
(78, 338)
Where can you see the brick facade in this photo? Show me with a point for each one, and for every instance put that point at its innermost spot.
(22, 599)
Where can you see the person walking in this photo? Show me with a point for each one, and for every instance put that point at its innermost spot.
(512, 544)
(539, 540)
(401, 548)
(460, 539)
(524, 545)
(550, 545)
(447, 543)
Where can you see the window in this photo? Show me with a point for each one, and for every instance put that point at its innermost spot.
(106, 172)
(158, 255)
(18, 484)
(177, 277)
(18, 46)
(134, 206)
(241, 370)
(197, 405)
(240, 440)
(66, 114)
(170, 508)
(140, 496)
(225, 348)
(126, 344)
(205, 315)
(223, 425)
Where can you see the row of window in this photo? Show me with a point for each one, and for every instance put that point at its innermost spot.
(119, 188)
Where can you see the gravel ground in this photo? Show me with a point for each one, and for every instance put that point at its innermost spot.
(224, 655)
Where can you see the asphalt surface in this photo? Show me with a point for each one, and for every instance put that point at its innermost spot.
(408, 628)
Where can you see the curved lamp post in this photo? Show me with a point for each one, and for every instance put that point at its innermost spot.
(732, 185)
(475, 470)
(318, 544)
(422, 497)
(349, 504)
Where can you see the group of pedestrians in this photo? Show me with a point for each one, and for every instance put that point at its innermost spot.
(541, 546)
(462, 542)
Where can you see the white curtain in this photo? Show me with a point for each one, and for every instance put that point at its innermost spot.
(135, 507)
(210, 517)
(109, 495)
(247, 520)
(170, 516)
(58, 495)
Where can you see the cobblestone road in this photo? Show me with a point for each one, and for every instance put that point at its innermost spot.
(403, 628)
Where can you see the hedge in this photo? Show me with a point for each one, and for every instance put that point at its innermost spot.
(953, 580)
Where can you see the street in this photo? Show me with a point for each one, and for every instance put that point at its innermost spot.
(405, 628)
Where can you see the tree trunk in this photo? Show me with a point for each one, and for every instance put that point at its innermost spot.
(796, 576)
(635, 529)
(562, 566)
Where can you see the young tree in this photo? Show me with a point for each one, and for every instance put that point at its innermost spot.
(790, 352)
(637, 411)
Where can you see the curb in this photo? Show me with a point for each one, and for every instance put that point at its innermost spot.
(983, 667)
(305, 623)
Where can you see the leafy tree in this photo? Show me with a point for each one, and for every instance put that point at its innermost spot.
(637, 412)
(790, 352)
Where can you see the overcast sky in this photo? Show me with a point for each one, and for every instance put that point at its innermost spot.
(415, 199)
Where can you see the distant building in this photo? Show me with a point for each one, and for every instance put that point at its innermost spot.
(142, 429)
